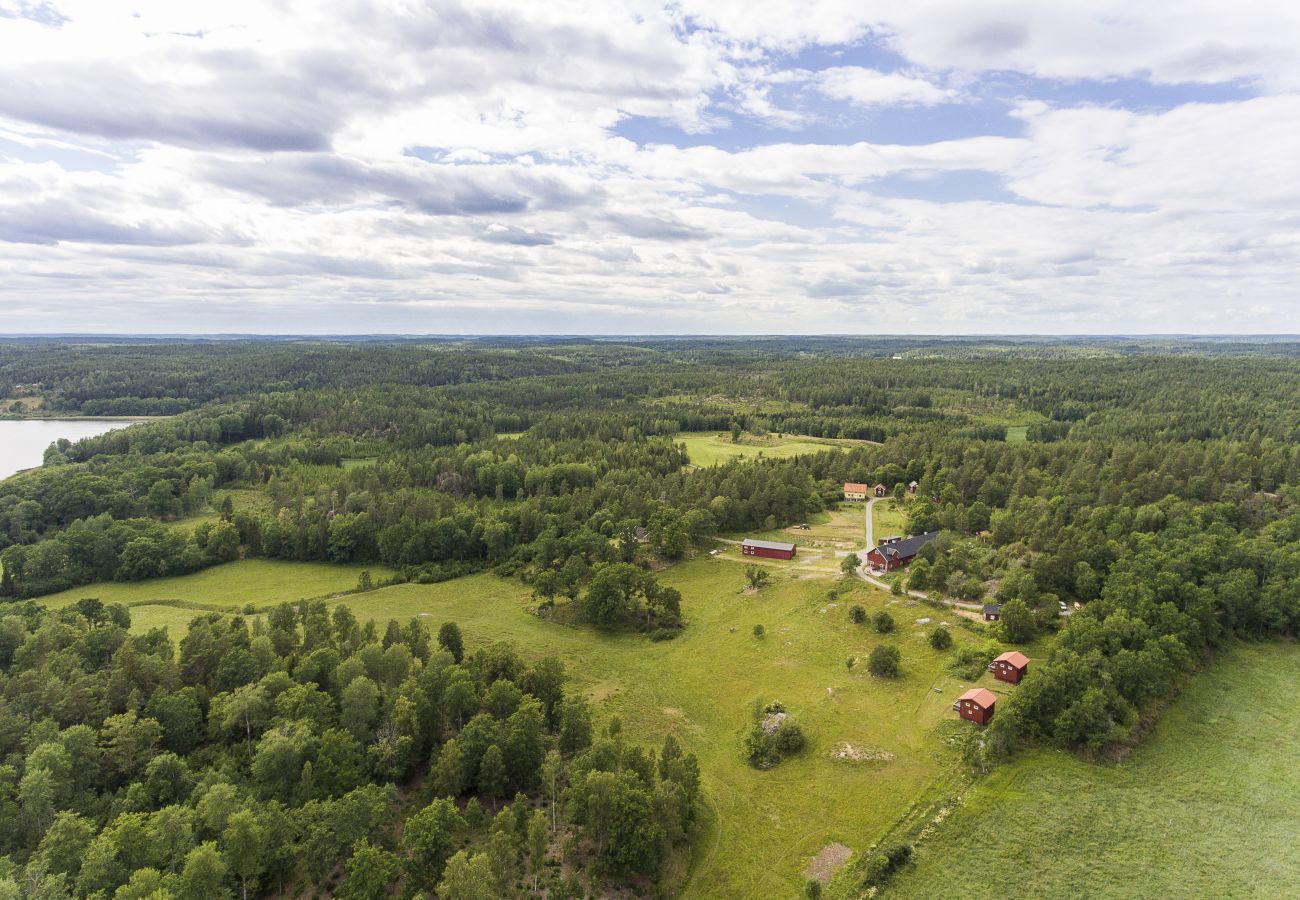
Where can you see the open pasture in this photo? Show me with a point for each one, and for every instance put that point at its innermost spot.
(1207, 806)
(261, 582)
(710, 448)
(762, 827)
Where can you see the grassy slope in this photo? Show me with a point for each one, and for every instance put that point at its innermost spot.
(1208, 806)
(258, 581)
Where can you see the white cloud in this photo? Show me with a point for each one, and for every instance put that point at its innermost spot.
(868, 87)
(355, 166)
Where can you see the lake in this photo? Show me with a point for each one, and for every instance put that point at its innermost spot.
(23, 441)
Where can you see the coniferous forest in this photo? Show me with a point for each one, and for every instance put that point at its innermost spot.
(1151, 487)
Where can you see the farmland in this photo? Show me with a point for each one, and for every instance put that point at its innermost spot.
(1206, 807)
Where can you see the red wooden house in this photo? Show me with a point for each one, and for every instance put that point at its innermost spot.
(891, 554)
(769, 549)
(881, 490)
(1010, 666)
(976, 705)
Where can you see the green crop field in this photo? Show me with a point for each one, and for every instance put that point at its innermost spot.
(710, 449)
(257, 581)
(1208, 806)
(763, 827)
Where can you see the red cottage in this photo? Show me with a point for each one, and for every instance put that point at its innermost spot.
(894, 553)
(976, 705)
(1010, 666)
(881, 490)
(770, 549)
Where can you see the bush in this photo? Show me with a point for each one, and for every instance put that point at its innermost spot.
(664, 634)
(857, 615)
(885, 661)
(758, 631)
(789, 738)
(885, 863)
(896, 588)
(883, 622)
(940, 638)
(971, 661)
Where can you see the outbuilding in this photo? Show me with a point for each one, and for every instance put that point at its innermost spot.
(912, 486)
(895, 552)
(769, 549)
(992, 612)
(881, 490)
(1010, 667)
(855, 491)
(976, 705)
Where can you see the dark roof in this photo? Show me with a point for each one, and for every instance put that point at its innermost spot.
(767, 545)
(907, 547)
(992, 608)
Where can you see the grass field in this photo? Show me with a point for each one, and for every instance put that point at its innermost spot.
(1016, 434)
(710, 449)
(764, 826)
(258, 581)
(760, 828)
(1208, 806)
(890, 519)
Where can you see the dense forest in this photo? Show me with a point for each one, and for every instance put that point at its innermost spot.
(1154, 484)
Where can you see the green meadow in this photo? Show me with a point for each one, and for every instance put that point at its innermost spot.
(1207, 806)
(759, 829)
(258, 581)
(709, 449)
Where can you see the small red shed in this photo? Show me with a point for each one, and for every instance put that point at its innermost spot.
(769, 549)
(881, 490)
(1010, 666)
(976, 705)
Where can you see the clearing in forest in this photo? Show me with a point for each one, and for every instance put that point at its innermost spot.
(707, 448)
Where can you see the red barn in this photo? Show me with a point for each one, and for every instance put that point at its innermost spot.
(894, 553)
(1010, 666)
(770, 549)
(976, 705)
(881, 490)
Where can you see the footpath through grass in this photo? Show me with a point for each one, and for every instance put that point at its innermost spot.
(1208, 806)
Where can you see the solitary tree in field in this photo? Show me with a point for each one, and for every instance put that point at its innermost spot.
(850, 564)
(756, 576)
(885, 661)
(940, 639)
(857, 615)
(883, 622)
(758, 631)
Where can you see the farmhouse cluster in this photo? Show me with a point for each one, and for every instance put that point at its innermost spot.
(977, 704)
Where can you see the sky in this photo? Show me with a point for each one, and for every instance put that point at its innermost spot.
(701, 166)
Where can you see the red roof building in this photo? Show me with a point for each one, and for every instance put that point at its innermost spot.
(1010, 667)
(855, 491)
(769, 549)
(976, 705)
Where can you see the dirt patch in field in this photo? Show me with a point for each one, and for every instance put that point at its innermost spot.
(828, 861)
(847, 752)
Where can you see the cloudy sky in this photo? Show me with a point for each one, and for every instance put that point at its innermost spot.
(732, 166)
